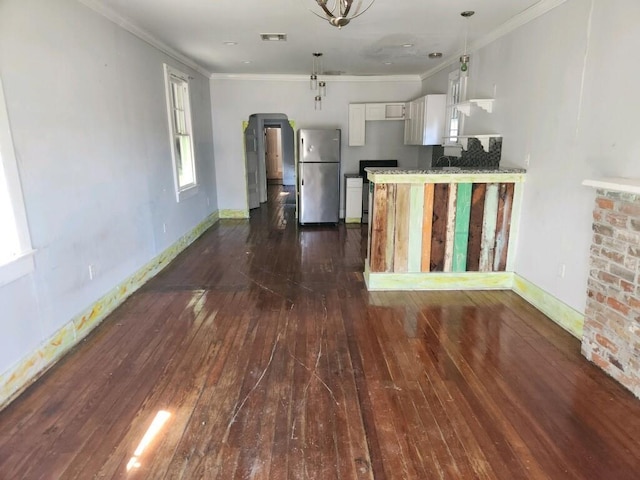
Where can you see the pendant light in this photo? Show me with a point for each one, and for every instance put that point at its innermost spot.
(464, 58)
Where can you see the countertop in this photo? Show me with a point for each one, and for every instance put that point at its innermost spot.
(446, 175)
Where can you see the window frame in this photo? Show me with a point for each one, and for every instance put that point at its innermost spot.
(173, 76)
(21, 263)
(456, 79)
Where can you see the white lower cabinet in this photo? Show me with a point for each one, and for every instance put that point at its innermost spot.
(353, 200)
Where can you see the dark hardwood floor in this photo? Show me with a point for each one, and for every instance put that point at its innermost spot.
(258, 353)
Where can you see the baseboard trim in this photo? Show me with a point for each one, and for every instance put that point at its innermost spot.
(15, 380)
(558, 311)
(353, 220)
(439, 281)
(234, 214)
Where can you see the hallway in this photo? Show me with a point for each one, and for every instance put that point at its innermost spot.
(260, 354)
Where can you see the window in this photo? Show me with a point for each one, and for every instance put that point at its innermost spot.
(179, 110)
(457, 93)
(16, 255)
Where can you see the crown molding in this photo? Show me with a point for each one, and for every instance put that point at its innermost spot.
(509, 26)
(125, 23)
(305, 78)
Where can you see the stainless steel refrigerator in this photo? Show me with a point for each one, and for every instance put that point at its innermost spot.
(318, 176)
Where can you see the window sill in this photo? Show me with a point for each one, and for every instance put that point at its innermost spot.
(186, 193)
(17, 267)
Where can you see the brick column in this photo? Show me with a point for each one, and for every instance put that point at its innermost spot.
(611, 336)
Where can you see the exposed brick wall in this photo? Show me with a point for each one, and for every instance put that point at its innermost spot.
(611, 336)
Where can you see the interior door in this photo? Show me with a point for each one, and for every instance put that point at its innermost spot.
(251, 151)
(273, 148)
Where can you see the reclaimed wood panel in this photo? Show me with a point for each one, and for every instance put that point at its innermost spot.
(475, 226)
(461, 235)
(415, 227)
(503, 225)
(489, 228)
(427, 227)
(451, 227)
(514, 230)
(391, 227)
(378, 222)
(439, 226)
(401, 238)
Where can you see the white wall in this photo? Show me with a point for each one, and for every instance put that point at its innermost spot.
(565, 85)
(87, 109)
(235, 99)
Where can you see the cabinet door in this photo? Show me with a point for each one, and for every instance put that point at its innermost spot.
(418, 124)
(434, 119)
(408, 123)
(356, 124)
(375, 111)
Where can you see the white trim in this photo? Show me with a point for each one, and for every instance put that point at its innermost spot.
(191, 189)
(305, 78)
(616, 184)
(509, 26)
(135, 29)
(17, 267)
(22, 263)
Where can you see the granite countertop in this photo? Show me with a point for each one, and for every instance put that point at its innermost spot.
(446, 175)
(443, 170)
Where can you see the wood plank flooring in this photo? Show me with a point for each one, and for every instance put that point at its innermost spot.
(259, 354)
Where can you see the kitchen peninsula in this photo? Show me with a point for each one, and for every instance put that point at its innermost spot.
(442, 228)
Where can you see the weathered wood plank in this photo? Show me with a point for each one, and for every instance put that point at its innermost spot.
(475, 226)
(489, 228)
(461, 235)
(514, 230)
(391, 227)
(415, 228)
(451, 227)
(439, 229)
(427, 226)
(503, 225)
(378, 222)
(401, 238)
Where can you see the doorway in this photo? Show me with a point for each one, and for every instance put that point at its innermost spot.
(273, 154)
(257, 170)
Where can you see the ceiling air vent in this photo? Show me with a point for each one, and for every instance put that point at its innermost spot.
(273, 37)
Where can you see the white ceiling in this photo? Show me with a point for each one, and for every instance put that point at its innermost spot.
(198, 29)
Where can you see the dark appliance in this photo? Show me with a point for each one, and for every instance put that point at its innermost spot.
(365, 182)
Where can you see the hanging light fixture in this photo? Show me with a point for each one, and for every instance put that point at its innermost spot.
(338, 13)
(464, 58)
(316, 69)
(319, 86)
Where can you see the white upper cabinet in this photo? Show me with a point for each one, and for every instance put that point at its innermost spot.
(425, 125)
(357, 114)
(385, 111)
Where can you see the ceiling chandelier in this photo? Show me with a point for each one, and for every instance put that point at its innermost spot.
(338, 13)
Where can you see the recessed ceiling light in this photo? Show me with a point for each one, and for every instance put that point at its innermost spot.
(435, 55)
(230, 44)
(247, 61)
(387, 63)
(407, 45)
(273, 37)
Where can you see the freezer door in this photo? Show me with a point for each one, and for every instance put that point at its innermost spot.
(319, 146)
(319, 192)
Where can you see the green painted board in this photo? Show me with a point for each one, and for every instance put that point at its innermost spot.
(461, 235)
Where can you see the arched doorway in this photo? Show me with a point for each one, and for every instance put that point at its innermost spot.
(256, 154)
